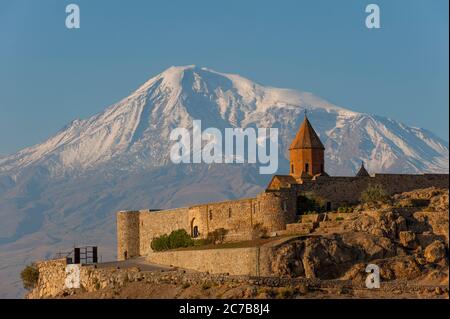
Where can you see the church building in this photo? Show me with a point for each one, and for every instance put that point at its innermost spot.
(286, 198)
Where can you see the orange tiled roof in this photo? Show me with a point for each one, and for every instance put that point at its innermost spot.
(306, 137)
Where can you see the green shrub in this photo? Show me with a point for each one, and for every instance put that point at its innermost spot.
(339, 218)
(176, 239)
(30, 276)
(180, 238)
(374, 193)
(160, 243)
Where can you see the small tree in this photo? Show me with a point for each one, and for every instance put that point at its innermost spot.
(373, 194)
(176, 239)
(180, 238)
(30, 276)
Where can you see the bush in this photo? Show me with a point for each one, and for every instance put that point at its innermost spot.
(176, 239)
(30, 276)
(160, 243)
(373, 194)
(217, 236)
(339, 218)
(258, 231)
(310, 201)
(180, 238)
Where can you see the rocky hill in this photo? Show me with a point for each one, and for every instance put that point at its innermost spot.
(407, 237)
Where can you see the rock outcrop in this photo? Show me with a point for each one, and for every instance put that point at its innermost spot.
(407, 239)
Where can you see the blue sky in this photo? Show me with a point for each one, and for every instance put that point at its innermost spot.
(50, 75)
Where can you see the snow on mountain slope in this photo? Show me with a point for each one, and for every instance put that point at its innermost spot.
(67, 189)
(133, 133)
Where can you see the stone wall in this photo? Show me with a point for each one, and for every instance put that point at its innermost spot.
(52, 275)
(128, 234)
(154, 224)
(340, 191)
(234, 261)
(272, 210)
(136, 229)
(95, 279)
(275, 210)
(251, 261)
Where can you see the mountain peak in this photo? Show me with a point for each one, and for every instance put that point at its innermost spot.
(133, 133)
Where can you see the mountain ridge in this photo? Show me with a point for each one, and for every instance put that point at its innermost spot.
(67, 189)
(174, 96)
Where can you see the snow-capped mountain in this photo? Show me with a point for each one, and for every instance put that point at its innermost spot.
(134, 133)
(67, 189)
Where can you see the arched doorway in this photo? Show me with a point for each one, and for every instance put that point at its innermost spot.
(194, 229)
(195, 232)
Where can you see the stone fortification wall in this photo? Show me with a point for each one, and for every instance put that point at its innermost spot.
(136, 229)
(342, 190)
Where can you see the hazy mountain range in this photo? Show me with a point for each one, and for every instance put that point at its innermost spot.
(67, 189)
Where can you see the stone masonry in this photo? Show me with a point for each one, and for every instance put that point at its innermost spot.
(271, 210)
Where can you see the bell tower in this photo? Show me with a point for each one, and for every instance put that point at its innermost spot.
(306, 152)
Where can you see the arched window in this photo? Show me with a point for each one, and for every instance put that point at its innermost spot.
(307, 167)
(321, 168)
(292, 169)
(210, 214)
(229, 212)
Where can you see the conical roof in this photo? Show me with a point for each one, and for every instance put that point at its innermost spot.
(306, 137)
(362, 171)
